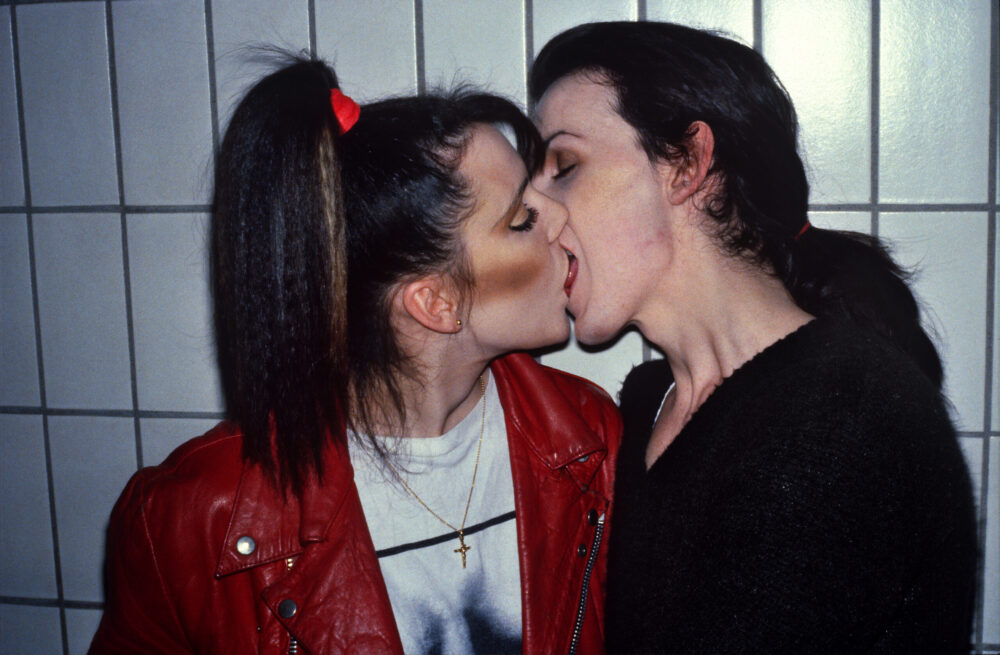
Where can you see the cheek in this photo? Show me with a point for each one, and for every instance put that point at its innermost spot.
(619, 219)
(506, 273)
(597, 201)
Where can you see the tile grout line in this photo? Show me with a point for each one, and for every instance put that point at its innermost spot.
(311, 11)
(109, 209)
(758, 26)
(49, 602)
(45, 2)
(990, 353)
(528, 30)
(418, 45)
(123, 223)
(36, 310)
(213, 102)
(874, 90)
(11, 410)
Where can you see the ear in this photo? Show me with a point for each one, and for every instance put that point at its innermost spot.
(432, 301)
(688, 176)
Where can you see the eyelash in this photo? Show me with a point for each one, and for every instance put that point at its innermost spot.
(563, 172)
(528, 222)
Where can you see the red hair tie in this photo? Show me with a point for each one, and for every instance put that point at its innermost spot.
(803, 230)
(345, 109)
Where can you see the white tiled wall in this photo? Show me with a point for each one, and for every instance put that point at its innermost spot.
(469, 39)
(173, 340)
(81, 306)
(102, 269)
(29, 568)
(241, 25)
(11, 182)
(163, 102)
(369, 66)
(949, 251)
(734, 17)
(63, 54)
(18, 356)
(829, 78)
(553, 16)
(934, 85)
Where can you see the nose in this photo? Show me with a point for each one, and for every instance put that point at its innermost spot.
(553, 213)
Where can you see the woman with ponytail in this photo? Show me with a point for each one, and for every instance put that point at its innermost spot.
(789, 480)
(391, 479)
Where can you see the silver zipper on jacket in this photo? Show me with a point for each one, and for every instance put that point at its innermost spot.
(293, 643)
(581, 609)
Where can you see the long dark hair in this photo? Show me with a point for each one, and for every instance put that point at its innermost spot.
(668, 76)
(311, 230)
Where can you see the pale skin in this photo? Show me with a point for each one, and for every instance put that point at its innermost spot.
(646, 253)
(518, 301)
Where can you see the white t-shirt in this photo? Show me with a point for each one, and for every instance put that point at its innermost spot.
(439, 606)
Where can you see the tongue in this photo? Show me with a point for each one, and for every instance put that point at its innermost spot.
(570, 275)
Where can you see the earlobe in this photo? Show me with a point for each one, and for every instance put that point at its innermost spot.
(431, 301)
(688, 176)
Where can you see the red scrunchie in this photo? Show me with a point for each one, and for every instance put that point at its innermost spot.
(346, 110)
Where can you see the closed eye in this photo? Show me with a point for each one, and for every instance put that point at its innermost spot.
(528, 223)
(563, 172)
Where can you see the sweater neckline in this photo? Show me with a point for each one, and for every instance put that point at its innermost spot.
(767, 362)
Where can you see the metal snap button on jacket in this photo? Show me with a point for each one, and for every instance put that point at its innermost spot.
(592, 517)
(245, 545)
(287, 608)
(581, 550)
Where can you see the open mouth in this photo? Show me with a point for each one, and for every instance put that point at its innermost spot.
(570, 273)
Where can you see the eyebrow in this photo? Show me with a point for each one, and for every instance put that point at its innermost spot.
(515, 201)
(554, 135)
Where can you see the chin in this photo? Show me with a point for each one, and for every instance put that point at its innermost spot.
(564, 332)
(593, 335)
(552, 334)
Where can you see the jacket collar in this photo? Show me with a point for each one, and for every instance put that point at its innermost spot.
(547, 415)
(280, 527)
(547, 410)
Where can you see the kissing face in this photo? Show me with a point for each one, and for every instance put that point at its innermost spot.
(595, 166)
(519, 267)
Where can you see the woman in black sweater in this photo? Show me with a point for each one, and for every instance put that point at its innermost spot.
(790, 480)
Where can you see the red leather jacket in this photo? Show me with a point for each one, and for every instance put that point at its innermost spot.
(177, 583)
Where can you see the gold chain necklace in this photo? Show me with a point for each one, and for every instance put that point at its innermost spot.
(462, 548)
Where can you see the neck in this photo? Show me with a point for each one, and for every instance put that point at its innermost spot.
(707, 336)
(442, 387)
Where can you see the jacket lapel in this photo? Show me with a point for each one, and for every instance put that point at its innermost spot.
(550, 422)
(552, 499)
(335, 586)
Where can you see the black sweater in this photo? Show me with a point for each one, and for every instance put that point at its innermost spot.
(816, 502)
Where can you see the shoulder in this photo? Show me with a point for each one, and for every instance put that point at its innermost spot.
(855, 376)
(198, 480)
(839, 407)
(213, 459)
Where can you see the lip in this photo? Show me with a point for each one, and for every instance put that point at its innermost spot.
(571, 272)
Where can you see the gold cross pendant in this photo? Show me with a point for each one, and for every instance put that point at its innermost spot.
(463, 549)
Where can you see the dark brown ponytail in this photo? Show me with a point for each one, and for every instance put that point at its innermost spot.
(279, 265)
